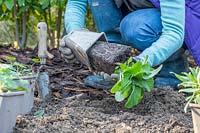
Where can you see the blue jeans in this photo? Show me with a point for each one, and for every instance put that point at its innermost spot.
(139, 28)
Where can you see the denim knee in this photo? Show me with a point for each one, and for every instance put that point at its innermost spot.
(106, 15)
(141, 28)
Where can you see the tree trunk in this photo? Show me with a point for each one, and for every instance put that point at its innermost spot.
(59, 21)
(17, 36)
(24, 34)
(50, 34)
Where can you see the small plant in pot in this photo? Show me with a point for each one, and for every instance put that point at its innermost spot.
(16, 94)
(190, 84)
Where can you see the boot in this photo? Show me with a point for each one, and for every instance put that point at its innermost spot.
(176, 63)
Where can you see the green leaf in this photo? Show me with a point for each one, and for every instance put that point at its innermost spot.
(20, 88)
(135, 97)
(198, 78)
(190, 76)
(153, 73)
(9, 4)
(119, 96)
(188, 85)
(125, 81)
(127, 91)
(146, 60)
(197, 99)
(116, 87)
(148, 84)
(193, 71)
(133, 70)
(39, 113)
(21, 2)
(189, 101)
(17, 64)
(189, 90)
(44, 4)
(146, 68)
(188, 98)
(181, 78)
(35, 60)
(130, 60)
(10, 58)
(29, 1)
(123, 66)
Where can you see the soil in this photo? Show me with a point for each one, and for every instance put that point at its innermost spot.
(159, 111)
(76, 108)
(103, 58)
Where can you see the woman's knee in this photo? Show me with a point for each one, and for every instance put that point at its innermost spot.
(106, 15)
(141, 28)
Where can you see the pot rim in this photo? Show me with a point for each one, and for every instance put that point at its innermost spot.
(12, 94)
(193, 105)
(27, 77)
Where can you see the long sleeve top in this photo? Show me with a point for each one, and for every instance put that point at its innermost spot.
(171, 39)
(75, 14)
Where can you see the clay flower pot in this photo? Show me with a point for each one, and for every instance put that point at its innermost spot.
(195, 117)
(13, 104)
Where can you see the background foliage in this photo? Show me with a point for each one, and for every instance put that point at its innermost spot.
(19, 18)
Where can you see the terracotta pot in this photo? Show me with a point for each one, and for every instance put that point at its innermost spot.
(195, 117)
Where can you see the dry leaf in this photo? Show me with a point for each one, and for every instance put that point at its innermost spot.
(57, 95)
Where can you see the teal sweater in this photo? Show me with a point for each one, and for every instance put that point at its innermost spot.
(171, 39)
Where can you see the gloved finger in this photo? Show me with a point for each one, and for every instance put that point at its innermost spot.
(66, 51)
(62, 42)
(107, 76)
(70, 61)
(101, 73)
(114, 76)
(69, 57)
(62, 55)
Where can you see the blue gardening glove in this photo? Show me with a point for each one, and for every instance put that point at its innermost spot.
(101, 81)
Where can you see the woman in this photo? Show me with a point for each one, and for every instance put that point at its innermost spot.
(155, 27)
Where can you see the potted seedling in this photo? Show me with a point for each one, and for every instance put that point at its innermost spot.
(135, 79)
(16, 94)
(190, 84)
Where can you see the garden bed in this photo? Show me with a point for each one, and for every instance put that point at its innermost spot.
(160, 111)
